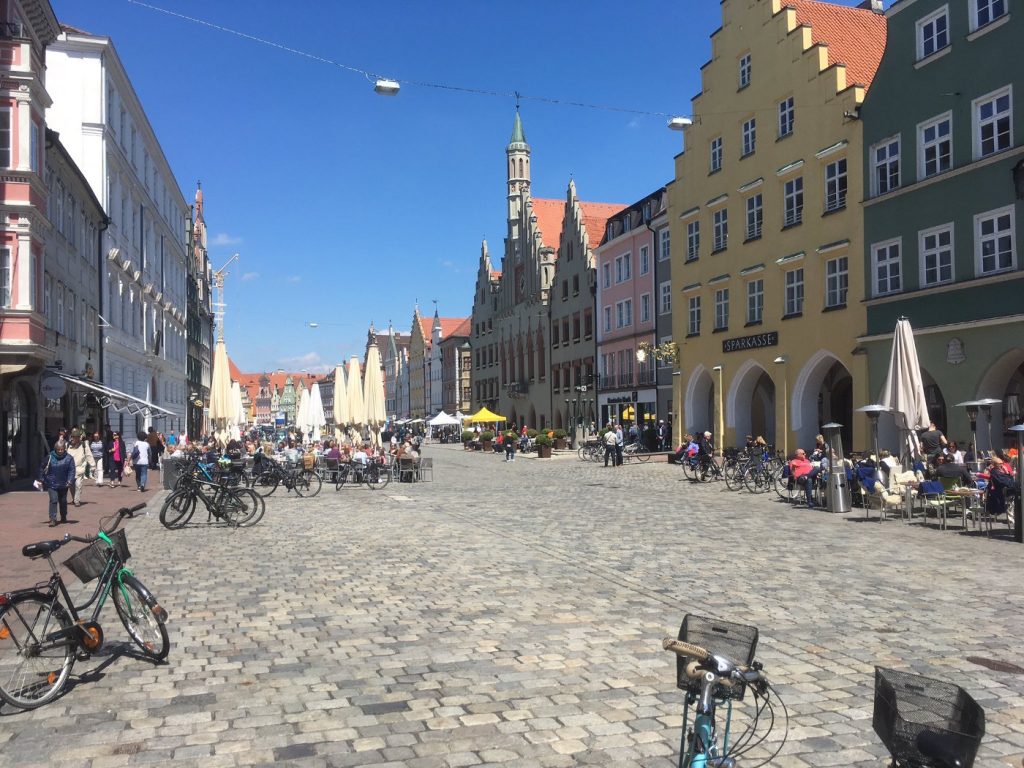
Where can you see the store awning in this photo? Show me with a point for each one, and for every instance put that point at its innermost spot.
(119, 401)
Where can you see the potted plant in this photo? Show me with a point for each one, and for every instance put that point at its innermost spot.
(560, 435)
(543, 443)
(486, 439)
(467, 438)
(531, 433)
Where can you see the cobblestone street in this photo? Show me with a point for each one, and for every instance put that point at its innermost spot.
(512, 614)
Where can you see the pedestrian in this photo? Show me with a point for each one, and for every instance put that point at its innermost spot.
(662, 436)
(96, 448)
(85, 465)
(510, 446)
(114, 458)
(141, 455)
(619, 442)
(56, 475)
(609, 445)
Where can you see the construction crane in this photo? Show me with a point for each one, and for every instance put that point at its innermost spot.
(218, 305)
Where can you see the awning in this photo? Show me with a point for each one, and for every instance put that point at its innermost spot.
(119, 401)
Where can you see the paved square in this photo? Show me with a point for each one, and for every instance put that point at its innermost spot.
(511, 614)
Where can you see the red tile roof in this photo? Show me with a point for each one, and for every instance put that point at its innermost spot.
(549, 220)
(496, 274)
(854, 36)
(251, 381)
(450, 326)
(595, 218)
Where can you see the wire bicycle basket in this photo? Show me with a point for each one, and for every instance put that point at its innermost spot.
(90, 562)
(738, 642)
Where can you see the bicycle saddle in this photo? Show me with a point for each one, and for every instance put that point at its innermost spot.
(948, 750)
(41, 548)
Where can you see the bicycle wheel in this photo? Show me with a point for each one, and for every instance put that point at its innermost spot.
(32, 672)
(376, 477)
(142, 616)
(689, 465)
(756, 480)
(239, 506)
(733, 475)
(177, 509)
(308, 483)
(581, 453)
(642, 454)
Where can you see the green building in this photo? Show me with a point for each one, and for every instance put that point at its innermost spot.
(943, 209)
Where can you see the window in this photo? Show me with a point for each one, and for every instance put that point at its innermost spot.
(749, 137)
(606, 275)
(607, 319)
(716, 154)
(575, 284)
(5, 137)
(693, 326)
(745, 70)
(992, 123)
(932, 33)
(786, 116)
(71, 325)
(936, 248)
(645, 265)
(627, 223)
(755, 217)
(576, 327)
(588, 324)
(994, 241)
(47, 297)
(5, 277)
(664, 249)
(885, 163)
(554, 334)
(836, 282)
(835, 185)
(794, 292)
(887, 268)
(665, 297)
(721, 309)
(60, 308)
(33, 149)
(645, 308)
(622, 268)
(755, 302)
(721, 229)
(624, 313)
(987, 11)
(793, 202)
(565, 290)
(936, 143)
(692, 240)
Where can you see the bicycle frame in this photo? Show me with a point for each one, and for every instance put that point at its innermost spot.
(702, 749)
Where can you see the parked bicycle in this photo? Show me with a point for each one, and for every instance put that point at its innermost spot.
(717, 676)
(636, 450)
(236, 506)
(701, 468)
(42, 632)
(268, 474)
(375, 474)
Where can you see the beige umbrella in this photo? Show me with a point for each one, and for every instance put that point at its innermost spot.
(302, 413)
(373, 393)
(222, 404)
(238, 418)
(356, 406)
(317, 419)
(903, 392)
(340, 401)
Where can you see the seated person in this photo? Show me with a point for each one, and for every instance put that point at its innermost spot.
(333, 452)
(360, 456)
(820, 449)
(944, 468)
(800, 473)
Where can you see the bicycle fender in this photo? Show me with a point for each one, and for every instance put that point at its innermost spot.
(151, 601)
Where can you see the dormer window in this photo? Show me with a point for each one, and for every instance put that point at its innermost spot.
(626, 223)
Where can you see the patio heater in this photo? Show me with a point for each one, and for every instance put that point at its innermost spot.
(1018, 517)
(837, 491)
(972, 407)
(986, 408)
(873, 412)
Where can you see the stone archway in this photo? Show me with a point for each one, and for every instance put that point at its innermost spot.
(750, 407)
(823, 393)
(699, 405)
(1004, 380)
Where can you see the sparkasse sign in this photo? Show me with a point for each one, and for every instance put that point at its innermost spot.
(757, 341)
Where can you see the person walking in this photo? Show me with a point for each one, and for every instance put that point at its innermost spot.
(114, 459)
(81, 454)
(141, 454)
(96, 448)
(56, 475)
(510, 447)
(619, 442)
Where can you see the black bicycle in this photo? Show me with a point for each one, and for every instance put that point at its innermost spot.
(268, 474)
(375, 474)
(42, 632)
(236, 506)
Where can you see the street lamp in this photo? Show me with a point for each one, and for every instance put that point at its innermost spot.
(679, 123)
(782, 360)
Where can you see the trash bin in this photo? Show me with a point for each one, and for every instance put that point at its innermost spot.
(170, 468)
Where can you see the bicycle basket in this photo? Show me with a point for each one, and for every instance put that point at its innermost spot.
(922, 721)
(737, 642)
(89, 563)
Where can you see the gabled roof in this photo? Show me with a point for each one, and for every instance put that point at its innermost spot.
(449, 325)
(595, 219)
(854, 36)
(549, 219)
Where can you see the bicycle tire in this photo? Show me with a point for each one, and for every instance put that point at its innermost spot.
(178, 509)
(30, 680)
(265, 483)
(308, 484)
(756, 480)
(259, 506)
(689, 468)
(376, 477)
(142, 616)
(238, 506)
(341, 477)
(581, 453)
(643, 455)
(733, 475)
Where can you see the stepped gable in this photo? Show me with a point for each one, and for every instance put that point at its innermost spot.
(595, 219)
(854, 37)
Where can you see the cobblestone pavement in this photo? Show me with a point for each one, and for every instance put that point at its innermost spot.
(511, 614)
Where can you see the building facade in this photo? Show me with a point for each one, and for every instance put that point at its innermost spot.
(944, 138)
(199, 324)
(455, 363)
(395, 358)
(419, 352)
(665, 367)
(27, 27)
(105, 129)
(766, 223)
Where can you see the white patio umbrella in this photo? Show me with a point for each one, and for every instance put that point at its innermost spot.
(356, 405)
(238, 417)
(903, 392)
(373, 393)
(222, 408)
(317, 419)
(302, 413)
(340, 401)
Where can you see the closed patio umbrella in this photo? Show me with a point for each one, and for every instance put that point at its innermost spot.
(222, 407)
(238, 417)
(903, 392)
(302, 413)
(317, 419)
(340, 401)
(356, 406)
(373, 393)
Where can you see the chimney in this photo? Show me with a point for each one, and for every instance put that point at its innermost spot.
(875, 6)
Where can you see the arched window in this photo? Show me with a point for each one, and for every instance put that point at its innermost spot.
(540, 355)
(521, 168)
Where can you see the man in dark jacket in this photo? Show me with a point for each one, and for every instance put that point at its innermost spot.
(56, 475)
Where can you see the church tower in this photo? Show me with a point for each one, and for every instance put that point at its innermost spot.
(518, 152)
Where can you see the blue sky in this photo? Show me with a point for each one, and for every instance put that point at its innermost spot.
(348, 207)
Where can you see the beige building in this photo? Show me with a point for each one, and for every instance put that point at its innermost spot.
(767, 226)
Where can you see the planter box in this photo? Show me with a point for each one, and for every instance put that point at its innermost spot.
(543, 451)
(560, 443)
(485, 445)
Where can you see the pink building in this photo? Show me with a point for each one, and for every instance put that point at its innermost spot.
(26, 28)
(626, 315)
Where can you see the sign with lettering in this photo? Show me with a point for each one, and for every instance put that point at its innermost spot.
(770, 339)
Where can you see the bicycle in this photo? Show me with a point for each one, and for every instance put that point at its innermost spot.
(235, 506)
(636, 450)
(268, 474)
(375, 474)
(702, 468)
(41, 631)
(711, 679)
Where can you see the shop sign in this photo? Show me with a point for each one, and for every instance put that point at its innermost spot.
(757, 341)
(52, 387)
(630, 398)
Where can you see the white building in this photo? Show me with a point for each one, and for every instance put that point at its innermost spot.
(102, 124)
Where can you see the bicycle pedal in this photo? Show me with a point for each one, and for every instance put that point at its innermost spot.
(82, 656)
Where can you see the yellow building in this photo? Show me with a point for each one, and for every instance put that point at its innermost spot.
(766, 211)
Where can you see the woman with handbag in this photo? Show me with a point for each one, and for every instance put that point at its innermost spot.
(56, 475)
(115, 459)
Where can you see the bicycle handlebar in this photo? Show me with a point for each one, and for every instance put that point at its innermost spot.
(727, 670)
(689, 650)
(118, 517)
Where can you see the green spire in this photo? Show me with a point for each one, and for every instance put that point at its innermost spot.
(518, 137)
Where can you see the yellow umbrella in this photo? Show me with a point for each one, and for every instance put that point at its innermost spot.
(373, 393)
(484, 416)
(222, 404)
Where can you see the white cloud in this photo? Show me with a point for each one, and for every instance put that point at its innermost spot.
(634, 123)
(294, 279)
(250, 276)
(311, 361)
(223, 238)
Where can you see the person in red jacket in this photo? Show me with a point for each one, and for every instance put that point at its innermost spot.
(800, 468)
